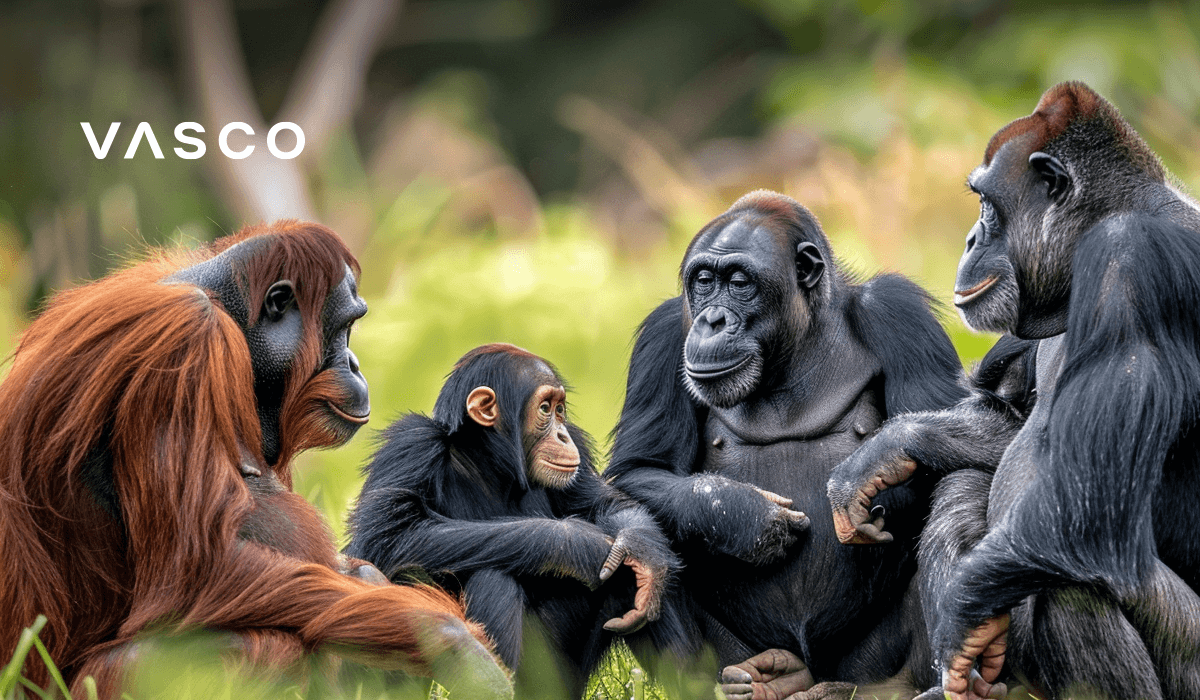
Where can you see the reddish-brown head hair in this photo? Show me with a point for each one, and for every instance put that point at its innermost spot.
(128, 414)
(1072, 111)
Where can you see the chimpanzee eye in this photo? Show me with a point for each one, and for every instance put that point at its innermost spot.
(703, 281)
(544, 408)
(561, 410)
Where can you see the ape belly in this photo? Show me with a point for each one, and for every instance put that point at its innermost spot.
(823, 598)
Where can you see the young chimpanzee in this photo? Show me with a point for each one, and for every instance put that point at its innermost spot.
(1073, 566)
(743, 394)
(495, 495)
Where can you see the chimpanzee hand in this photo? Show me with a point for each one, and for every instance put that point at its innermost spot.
(580, 544)
(875, 466)
(650, 572)
(744, 521)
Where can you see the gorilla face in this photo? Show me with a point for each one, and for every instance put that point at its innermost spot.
(743, 288)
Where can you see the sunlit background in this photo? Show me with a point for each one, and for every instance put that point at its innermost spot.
(531, 170)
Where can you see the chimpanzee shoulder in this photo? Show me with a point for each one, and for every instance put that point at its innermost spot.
(660, 423)
(894, 318)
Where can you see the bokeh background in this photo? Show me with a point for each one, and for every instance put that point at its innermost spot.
(531, 170)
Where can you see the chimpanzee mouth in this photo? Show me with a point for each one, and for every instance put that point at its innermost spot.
(560, 467)
(349, 417)
(966, 296)
(709, 374)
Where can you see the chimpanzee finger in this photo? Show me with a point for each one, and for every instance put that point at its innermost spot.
(781, 501)
(616, 555)
(797, 520)
(873, 533)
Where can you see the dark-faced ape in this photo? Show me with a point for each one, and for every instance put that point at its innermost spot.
(743, 394)
(1058, 568)
(149, 427)
(496, 494)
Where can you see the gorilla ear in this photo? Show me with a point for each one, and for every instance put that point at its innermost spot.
(482, 407)
(278, 300)
(809, 265)
(1053, 173)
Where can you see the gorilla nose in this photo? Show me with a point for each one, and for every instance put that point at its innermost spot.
(715, 320)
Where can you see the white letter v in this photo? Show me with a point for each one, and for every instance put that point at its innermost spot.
(91, 137)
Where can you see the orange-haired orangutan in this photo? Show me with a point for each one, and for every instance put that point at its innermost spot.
(150, 420)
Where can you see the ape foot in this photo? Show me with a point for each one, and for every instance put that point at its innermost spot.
(986, 643)
(775, 674)
(853, 519)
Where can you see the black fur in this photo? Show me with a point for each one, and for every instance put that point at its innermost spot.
(453, 497)
(1074, 535)
(863, 353)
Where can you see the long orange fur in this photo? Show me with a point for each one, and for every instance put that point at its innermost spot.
(159, 375)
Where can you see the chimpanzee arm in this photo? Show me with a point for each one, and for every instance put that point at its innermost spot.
(638, 543)
(401, 518)
(654, 453)
(970, 435)
(1130, 377)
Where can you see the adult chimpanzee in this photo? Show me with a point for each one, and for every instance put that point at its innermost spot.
(743, 394)
(496, 494)
(1084, 246)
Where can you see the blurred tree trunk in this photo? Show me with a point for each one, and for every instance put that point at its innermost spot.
(322, 96)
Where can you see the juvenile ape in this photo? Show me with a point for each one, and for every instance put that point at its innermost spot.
(149, 424)
(1084, 247)
(743, 394)
(496, 493)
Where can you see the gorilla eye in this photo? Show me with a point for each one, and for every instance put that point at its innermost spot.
(987, 214)
(741, 286)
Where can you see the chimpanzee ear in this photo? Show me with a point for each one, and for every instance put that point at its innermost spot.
(809, 265)
(279, 298)
(482, 406)
(1053, 173)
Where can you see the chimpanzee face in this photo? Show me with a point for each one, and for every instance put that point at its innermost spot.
(743, 287)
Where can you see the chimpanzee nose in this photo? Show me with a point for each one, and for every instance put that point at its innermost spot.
(563, 436)
(713, 320)
(352, 360)
(970, 240)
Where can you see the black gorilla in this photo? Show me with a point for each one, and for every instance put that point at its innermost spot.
(743, 394)
(496, 496)
(1084, 249)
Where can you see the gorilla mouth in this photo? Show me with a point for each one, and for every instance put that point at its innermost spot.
(349, 417)
(708, 374)
(966, 296)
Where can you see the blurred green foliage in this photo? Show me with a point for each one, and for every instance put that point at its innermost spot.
(531, 171)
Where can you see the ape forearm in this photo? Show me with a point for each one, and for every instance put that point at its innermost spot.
(565, 547)
(972, 435)
(731, 517)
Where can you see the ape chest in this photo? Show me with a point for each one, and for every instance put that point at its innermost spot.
(793, 465)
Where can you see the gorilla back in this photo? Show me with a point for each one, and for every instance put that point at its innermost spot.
(743, 395)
